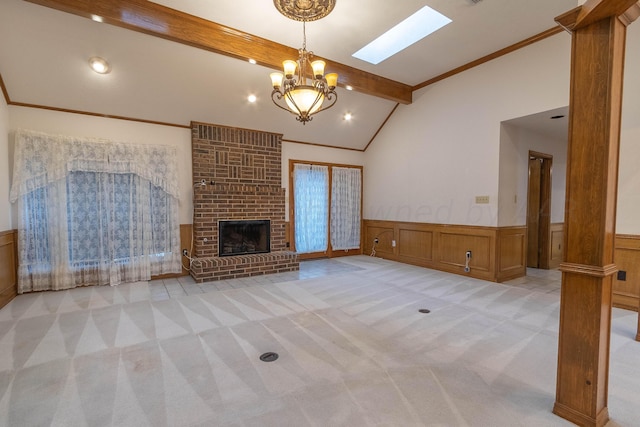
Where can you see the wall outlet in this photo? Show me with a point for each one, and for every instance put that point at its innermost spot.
(468, 254)
(393, 243)
(482, 200)
(185, 252)
(622, 275)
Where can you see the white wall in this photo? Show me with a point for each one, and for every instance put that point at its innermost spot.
(514, 174)
(628, 212)
(5, 179)
(314, 153)
(436, 155)
(60, 123)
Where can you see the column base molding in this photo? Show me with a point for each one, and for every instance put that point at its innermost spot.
(580, 419)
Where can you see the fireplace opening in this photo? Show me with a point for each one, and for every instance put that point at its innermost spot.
(244, 237)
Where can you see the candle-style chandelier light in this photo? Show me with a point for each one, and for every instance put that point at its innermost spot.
(304, 96)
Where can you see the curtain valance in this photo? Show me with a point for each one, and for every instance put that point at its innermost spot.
(41, 159)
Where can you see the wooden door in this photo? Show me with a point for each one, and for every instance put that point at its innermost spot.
(539, 211)
(533, 213)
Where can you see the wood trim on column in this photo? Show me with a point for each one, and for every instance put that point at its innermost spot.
(170, 24)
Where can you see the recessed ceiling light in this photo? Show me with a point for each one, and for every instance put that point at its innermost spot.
(347, 116)
(99, 65)
(348, 87)
(252, 98)
(414, 28)
(252, 61)
(96, 18)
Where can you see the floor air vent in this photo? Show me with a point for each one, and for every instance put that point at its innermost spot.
(269, 356)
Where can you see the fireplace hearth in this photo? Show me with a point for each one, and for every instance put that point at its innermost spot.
(244, 237)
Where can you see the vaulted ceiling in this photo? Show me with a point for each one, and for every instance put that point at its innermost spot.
(174, 61)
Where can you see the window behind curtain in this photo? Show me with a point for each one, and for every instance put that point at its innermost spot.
(93, 212)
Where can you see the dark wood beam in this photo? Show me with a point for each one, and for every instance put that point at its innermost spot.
(597, 70)
(5, 92)
(595, 10)
(160, 21)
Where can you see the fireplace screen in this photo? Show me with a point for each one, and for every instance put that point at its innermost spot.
(244, 237)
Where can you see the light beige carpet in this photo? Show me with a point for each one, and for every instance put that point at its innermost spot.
(354, 351)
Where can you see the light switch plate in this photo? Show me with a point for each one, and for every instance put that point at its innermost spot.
(482, 199)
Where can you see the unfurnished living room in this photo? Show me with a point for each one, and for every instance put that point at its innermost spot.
(319, 213)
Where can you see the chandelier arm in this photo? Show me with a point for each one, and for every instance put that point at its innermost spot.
(319, 98)
(329, 96)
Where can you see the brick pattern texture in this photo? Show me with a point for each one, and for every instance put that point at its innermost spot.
(243, 176)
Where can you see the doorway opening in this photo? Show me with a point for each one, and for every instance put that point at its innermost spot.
(539, 210)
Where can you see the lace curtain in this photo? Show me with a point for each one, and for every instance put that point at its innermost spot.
(346, 184)
(311, 195)
(93, 212)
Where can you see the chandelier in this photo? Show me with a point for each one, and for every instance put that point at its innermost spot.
(304, 96)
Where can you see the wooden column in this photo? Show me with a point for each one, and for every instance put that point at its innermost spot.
(597, 68)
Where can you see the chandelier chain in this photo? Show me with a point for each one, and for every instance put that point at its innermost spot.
(304, 35)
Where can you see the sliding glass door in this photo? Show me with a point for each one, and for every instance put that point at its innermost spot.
(325, 212)
(311, 207)
(346, 184)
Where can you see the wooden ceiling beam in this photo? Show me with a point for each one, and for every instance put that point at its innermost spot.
(595, 10)
(160, 21)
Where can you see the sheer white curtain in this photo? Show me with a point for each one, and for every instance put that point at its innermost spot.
(93, 212)
(346, 184)
(311, 198)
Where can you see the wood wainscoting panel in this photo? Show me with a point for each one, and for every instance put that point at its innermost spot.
(626, 293)
(454, 246)
(186, 242)
(8, 266)
(512, 252)
(415, 243)
(442, 247)
(384, 232)
(556, 242)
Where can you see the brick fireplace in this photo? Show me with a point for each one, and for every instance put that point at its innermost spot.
(241, 170)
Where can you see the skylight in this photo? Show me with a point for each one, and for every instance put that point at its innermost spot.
(414, 28)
